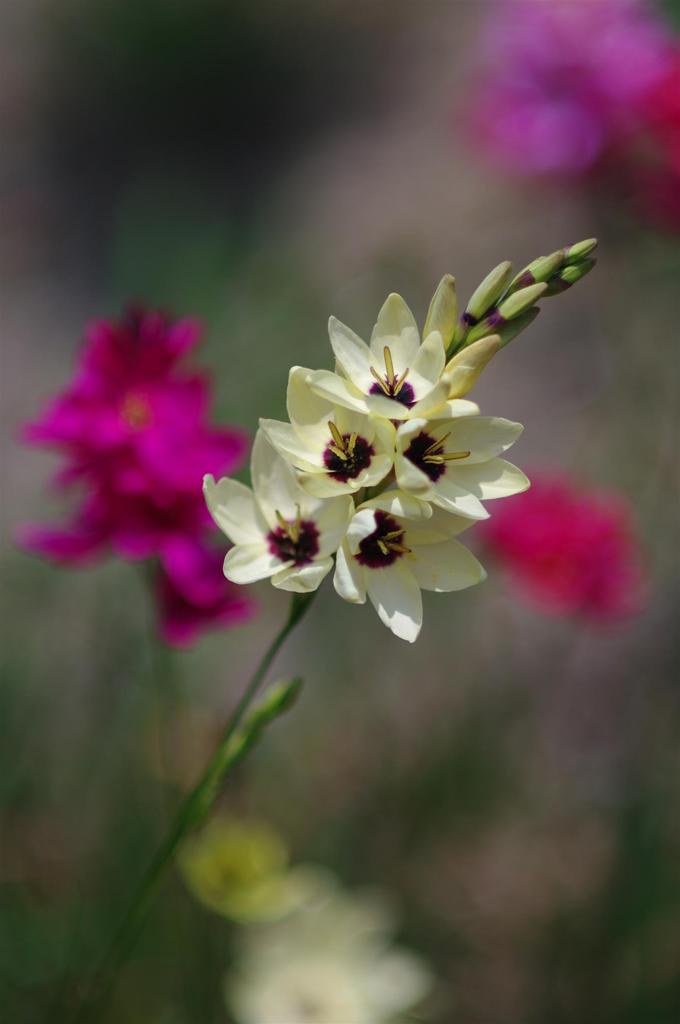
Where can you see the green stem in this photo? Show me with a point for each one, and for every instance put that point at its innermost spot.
(192, 811)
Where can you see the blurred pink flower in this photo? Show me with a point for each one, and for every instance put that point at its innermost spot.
(571, 550)
(562, 80)
(656, 164)
(132, 426)
(193, 594)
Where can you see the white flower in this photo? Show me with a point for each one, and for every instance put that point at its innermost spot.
(397, 377)
(454, 462)
(337, 451)
(278, 530)
(330, 963)
(393, 549)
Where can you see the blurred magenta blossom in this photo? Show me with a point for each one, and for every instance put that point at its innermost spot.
(656, 169)
(569, 549)
(132, 426)
(563, 82)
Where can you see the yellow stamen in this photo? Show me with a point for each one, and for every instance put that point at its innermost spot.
(352, 442)
(381, 382)
(336, 435)
(450, 456)
(400, 549)
(437, 443)
(283, 523)
(383, 547)
(339, 452)
(400, 383)
(391, 376)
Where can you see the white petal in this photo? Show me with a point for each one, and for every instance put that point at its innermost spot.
(233, 508)
(396, 328)
(443, 311)
(430, 358)
(306, 410)
(349, 577)
(379, 404)
(377, 470)
(484, 437)
(274, 482)
(350, 422)
(465, 368)
(384, 436)
(332, 519)
(494, 479)
(336, 389)
(432, 402)
(291, 446)
(361, 526)
(323, 485)
(410, 478)
(453, 497)
(351, 352)
(302, 579)
(395, 595)
(247, 563)
(446, 566)
(456, 407)
(440, 526)
(398, 503)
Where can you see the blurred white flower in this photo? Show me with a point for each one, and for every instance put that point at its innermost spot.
(329, 963)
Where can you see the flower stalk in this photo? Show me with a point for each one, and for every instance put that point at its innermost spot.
(234, 743)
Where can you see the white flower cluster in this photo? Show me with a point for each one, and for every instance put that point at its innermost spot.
(330, 962)
(383, 463)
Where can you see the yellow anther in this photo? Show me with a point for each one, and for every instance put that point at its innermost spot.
(393, 534)
(450, 456)
(339, 452)
(389, 366)
(336, 435)
(381, 381)
(400, 549)
(352, 442)
(283, 523)
(438, 442)
(400, 383)
(383, 547)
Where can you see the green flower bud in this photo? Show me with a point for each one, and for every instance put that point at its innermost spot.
(577, 252)
(487, 293)
(506, 331)
(518, 303)
(541, 269)
(568, 276)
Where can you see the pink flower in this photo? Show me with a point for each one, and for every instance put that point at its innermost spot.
(193, 594)
(132, 427)
(571, 550)
(655, 165)
(562, 81)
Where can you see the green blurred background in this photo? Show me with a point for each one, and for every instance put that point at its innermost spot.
(512, 779)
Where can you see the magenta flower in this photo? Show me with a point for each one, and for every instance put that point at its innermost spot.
(570, 550)
(132, 427)
(194, 596)
(562, 81)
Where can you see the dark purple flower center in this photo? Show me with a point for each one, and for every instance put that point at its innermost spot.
(347, 455)
(428, 454)
(385, 545)
(406, 395)
(297, 541)
(392, 384)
